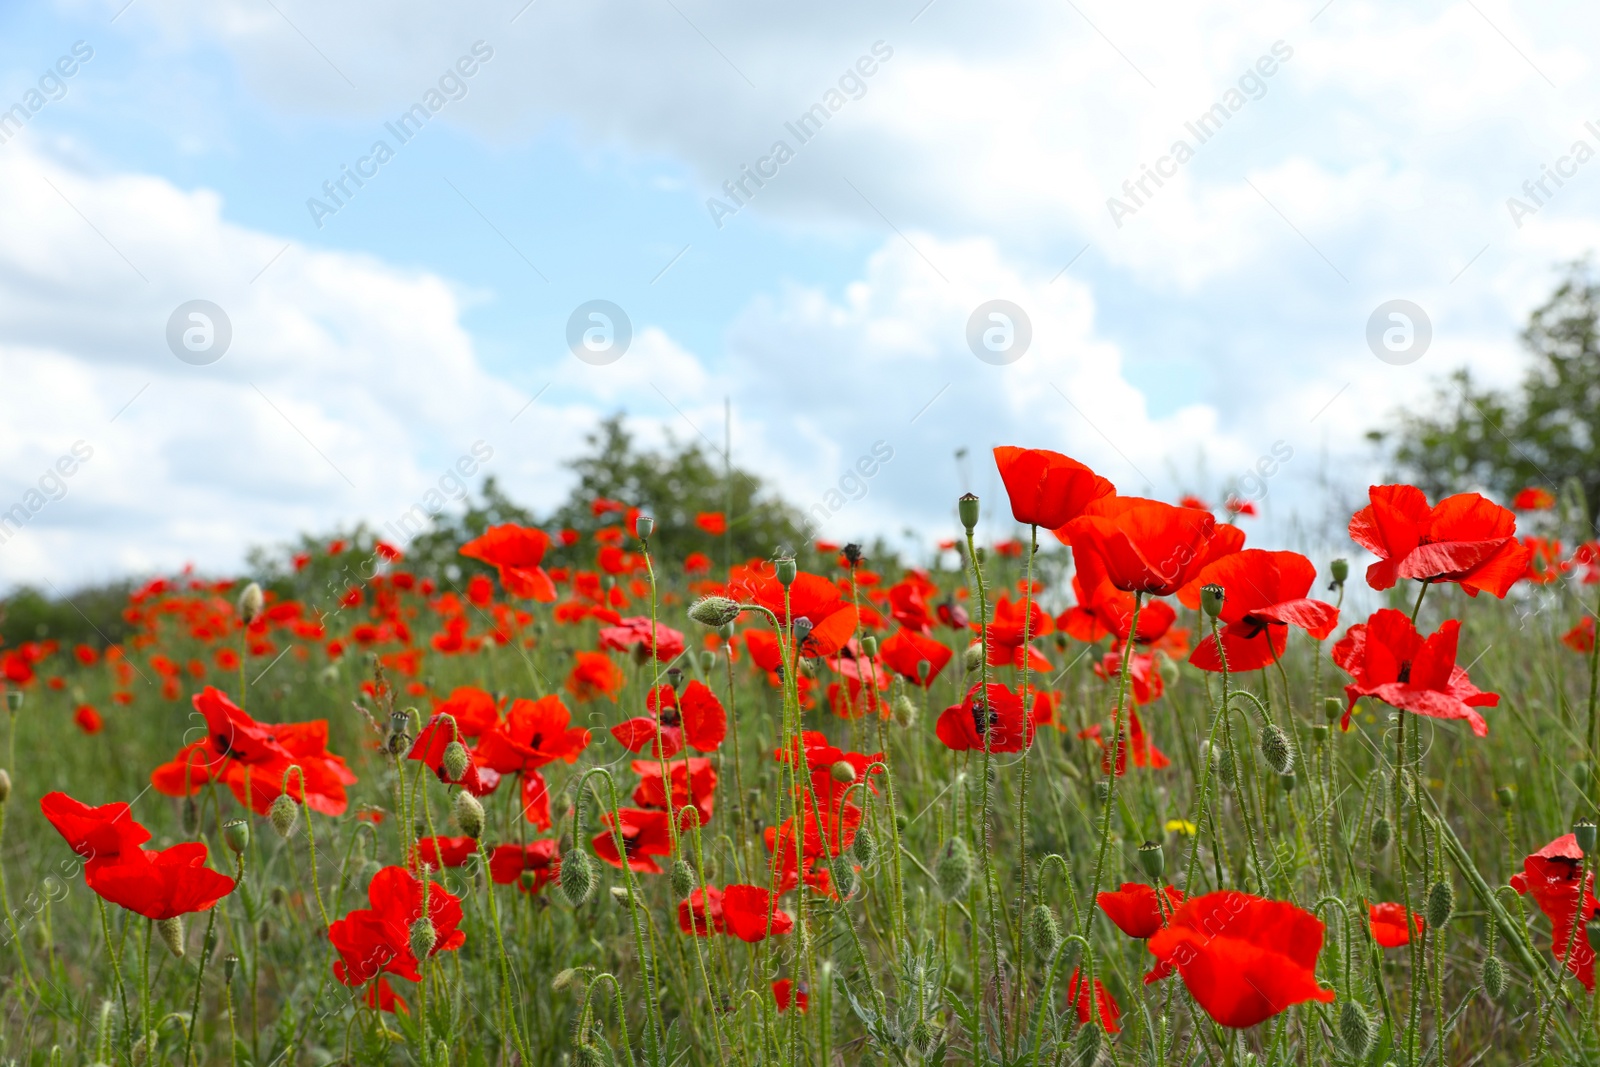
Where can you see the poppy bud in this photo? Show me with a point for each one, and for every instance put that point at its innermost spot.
(869, 646)
(848, 881)
(1088, 1044)
(923, 1036)
(786, 570)
(13, 700)
(1441, 903)
(953, 870)
(644, 526)
(901, 822)
(1355, 1030)
(577, 876)
(682, 879)
(1584, 831)
(230, 964)
(236, 834)
(455, 761)
(564, 977)
(972, 658)
(1211, 597)
(843, 772)
(5, 786)
(587, 1055)
(1102, 791)
(284, 813)
(904, 710)
(469, 814)
(1494, 977)
(1339, 571)
(864, 847)
(620, 895)
(1152, 860)
(251, 603)
(1275, 749)
(1507, 796)
(1044, 933)
(967, 508)
(1224, 760)
(1167, 667)
(1380, 833)
(171, 931)
(423, 938)
(140, 1052)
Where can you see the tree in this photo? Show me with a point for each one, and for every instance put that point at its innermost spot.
(1545, 433)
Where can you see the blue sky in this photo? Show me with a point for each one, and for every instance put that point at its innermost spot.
(1172, 347)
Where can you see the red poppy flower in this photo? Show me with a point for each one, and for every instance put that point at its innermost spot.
(1553, 875)
(88, 719)
(714, 523)
(909, 654)
(1136, 910)
(1243, 958)
(998, 713)
(694, 782)
(1005, 631)
(440, 852)
(534, 733)
(635, 632)
(101, 835)
(765, 649)
(645, 835)
(508, 862)
(516, 552)
(1147, 546)
(783, 993)
(1388, 659)
(1144, 680)
(474, 710)
(908, 602)
(161, 885)
(822, 618)
(1534, 499)
(1046, 488)
(751, 913)
(1264, 593)
(1388, 923)
(1581, 637)
(1104, 609)
(1226, 539)
(1464, 539)
(594, 675)
(381, 995)
(377, 940)
(701, 914)
(1078, 997)
(1137, 744)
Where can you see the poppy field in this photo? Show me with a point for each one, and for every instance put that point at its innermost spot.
(1123, 788)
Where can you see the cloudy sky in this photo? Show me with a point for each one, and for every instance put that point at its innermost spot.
(1192, 214)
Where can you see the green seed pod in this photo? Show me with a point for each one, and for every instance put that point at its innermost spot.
(1153, 860)
(967, 509)
(1584, 831)
(1507, 796)
(953, 870)
(577, 876)
(1339, 571)
(171, 931)
(864, 847)
(455, 761)
(708, 661)
(284, 813)
(1319, 733)
(230, 964)
(469, 814)
(1441, 903)
(1044, 933)
(423, 938)
(869, 646)
(1211, 598)
(714, 611)
(1276, 750)
(1332, 709)
(1494, 977)
(643, 527)
(683, 879)
(904, 710)
(786, 570)
(901, 822)
(1287, 781)
(1355, 1030)
(236, 834)
(1380, 833)
(924, 670)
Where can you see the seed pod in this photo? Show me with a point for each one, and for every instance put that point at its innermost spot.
(1339, 571)
(869, 646)
(423, 938)
(1044, 933)
(953, 870)
(904, 710)
(577, 876)
(1494, 977)
(1441, 903)
(1276, 750)
(1287, 781)
(1507, 796)
(251, 603)
(1332, 709)
(1355, 1030)
(284, 813)
(1211, 598)
(1152, 860)
(786, 570)
(864, 847)
(643, 527)
(1584, 831)
(171, 931)
(924, 669)
(708, 661)
(967, 509)
(230, 964)
(236, 835)
(1319, 733)
(683, 879)
(455, 761)
(469, 814)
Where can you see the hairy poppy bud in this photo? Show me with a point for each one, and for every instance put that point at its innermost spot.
(1339, 571)
(564, 977)
(1088, 1044)
(967, 508)
(1584, 831)
(864, 847)
(236, 834)
(284, 813)
(5, 786)
(455, 761)
(577, 876)
(1152, 860)
(904, 710)
(423, 938)
(1355, 1030)
(644, 526)
(953, 870)
(1494, 977)
(1224, 760)
(1044, 933)
(469, 814)
(682, 879)
(1275, 749)
(620, 896)
(1380, 833)
(1102, 791)
(141, 1048)
(588, 1055)
(848, 879)
(786, 570)
(1211, 597)
(171, 931)
(843, 772)
(1441, 903)
(1507, 796)
(972, 658)
(923, 1036)
(251, 603)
